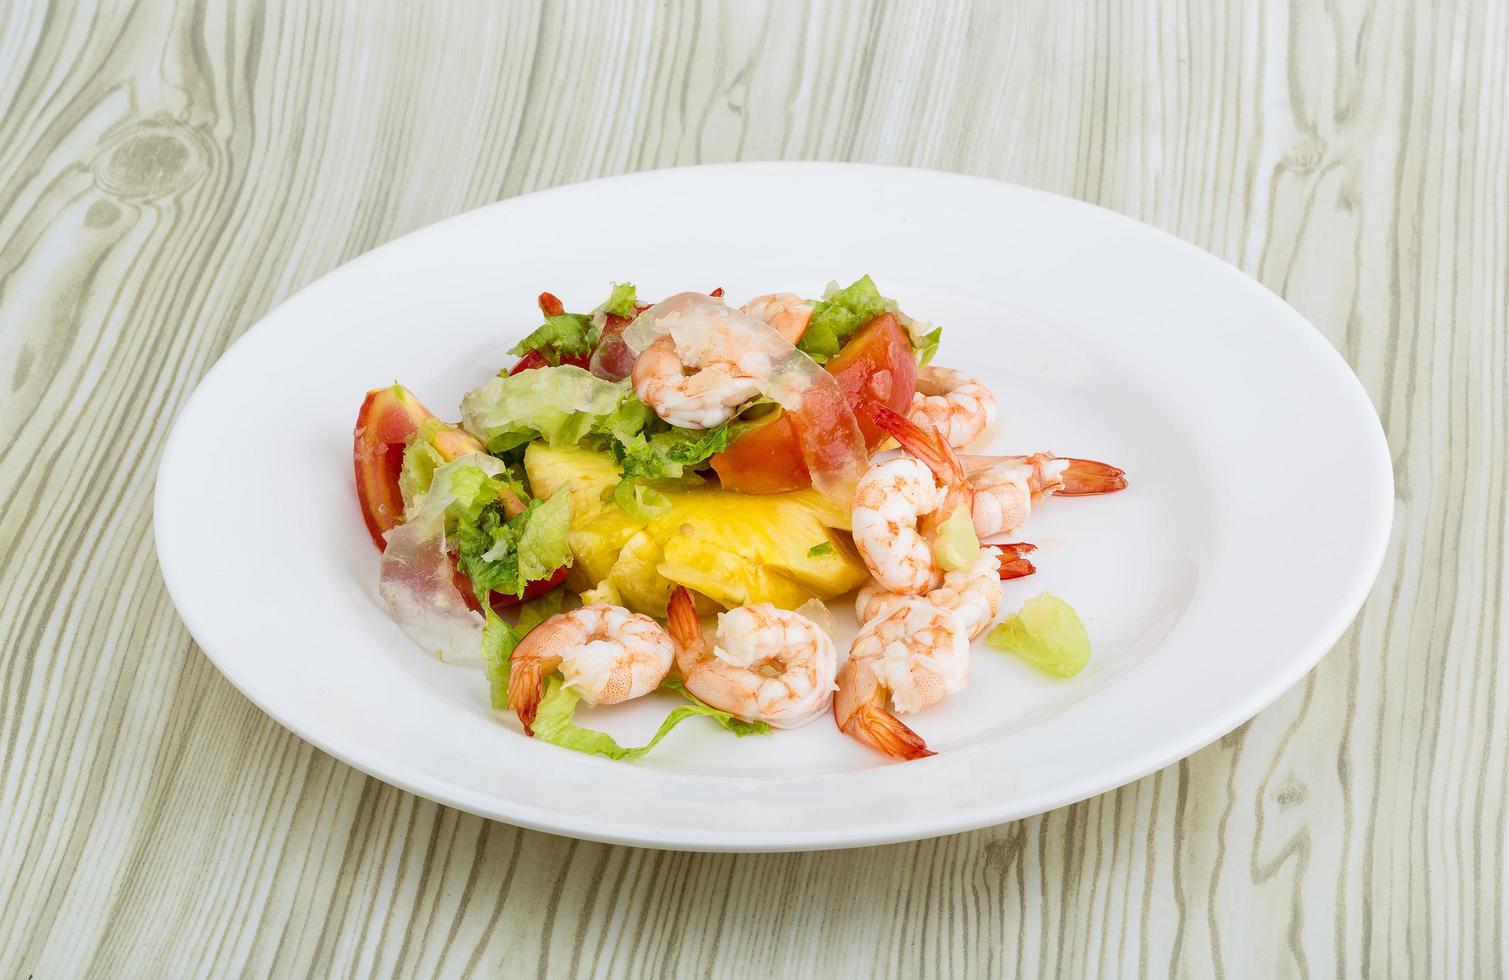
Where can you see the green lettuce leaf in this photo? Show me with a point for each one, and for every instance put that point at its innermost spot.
(504, 554)
(630, 416)
(420, 461)
(954, 543)
(738, 726)
(671, 453)
(499, 640)
(926, 346)
(473, 541)
(667, 460)
(470, 488)
(839, 314)
(1045, 632)
(561, 405)
(562, 335)
(553, 723)
(542, 546)
(453, 493)
(621, 301)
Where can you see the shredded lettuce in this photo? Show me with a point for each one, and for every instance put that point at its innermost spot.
(553, 724)
(955, 544)
(665, 461)
(470, 489)
(576, 334)
(926, 345)
(839, 314)
(622, 300)
(499, 640)
(738, 726)
(543, 545)
(562, 405)
(629, 416)
(561, 335)
(669, 454)
(420, 461)
(1045, 632)
(504, 554)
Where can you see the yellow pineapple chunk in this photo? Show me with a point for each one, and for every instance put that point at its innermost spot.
(734, 548)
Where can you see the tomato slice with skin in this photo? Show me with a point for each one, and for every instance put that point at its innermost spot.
(877, 364)
(534, 359)
(387, 419)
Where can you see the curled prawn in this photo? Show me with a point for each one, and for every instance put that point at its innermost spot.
(957, 405)
(785, 313)
(890, 502)
(700, 384)
(914, 655)
(900, 502)
(607, 653)
(1006, 488)
(765, 664)
(971, 593)
(999, 490)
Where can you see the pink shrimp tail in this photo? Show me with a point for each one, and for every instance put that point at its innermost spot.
(1084, 477)
(922, 441)
(526, 686)
(881, 730)
(1080, 478)
(1013, 564)
(682, 621)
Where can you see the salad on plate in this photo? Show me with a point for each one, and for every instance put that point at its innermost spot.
(647, 465)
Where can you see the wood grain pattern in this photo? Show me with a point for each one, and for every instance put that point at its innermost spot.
(169, 173)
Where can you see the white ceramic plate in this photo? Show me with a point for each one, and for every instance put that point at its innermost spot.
(1257, 517)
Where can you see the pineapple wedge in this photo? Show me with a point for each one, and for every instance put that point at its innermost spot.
(734, 548)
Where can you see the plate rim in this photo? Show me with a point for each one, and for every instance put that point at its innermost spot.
(565, 823)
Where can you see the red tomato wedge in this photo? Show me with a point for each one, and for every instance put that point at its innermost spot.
(534, 359)
(876, 365)
(388, 417)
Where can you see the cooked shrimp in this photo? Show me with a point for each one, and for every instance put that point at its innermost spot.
(916, 654)
(700, 385)
(999, 490)
(606, 653)
(1007, 487)
(786, 313)
(957, 405)
(966, 592)
(971, 593)
(900, 502)
(765, 664)
(889, 504)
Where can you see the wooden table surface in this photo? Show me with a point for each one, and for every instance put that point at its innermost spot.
(169, 174)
